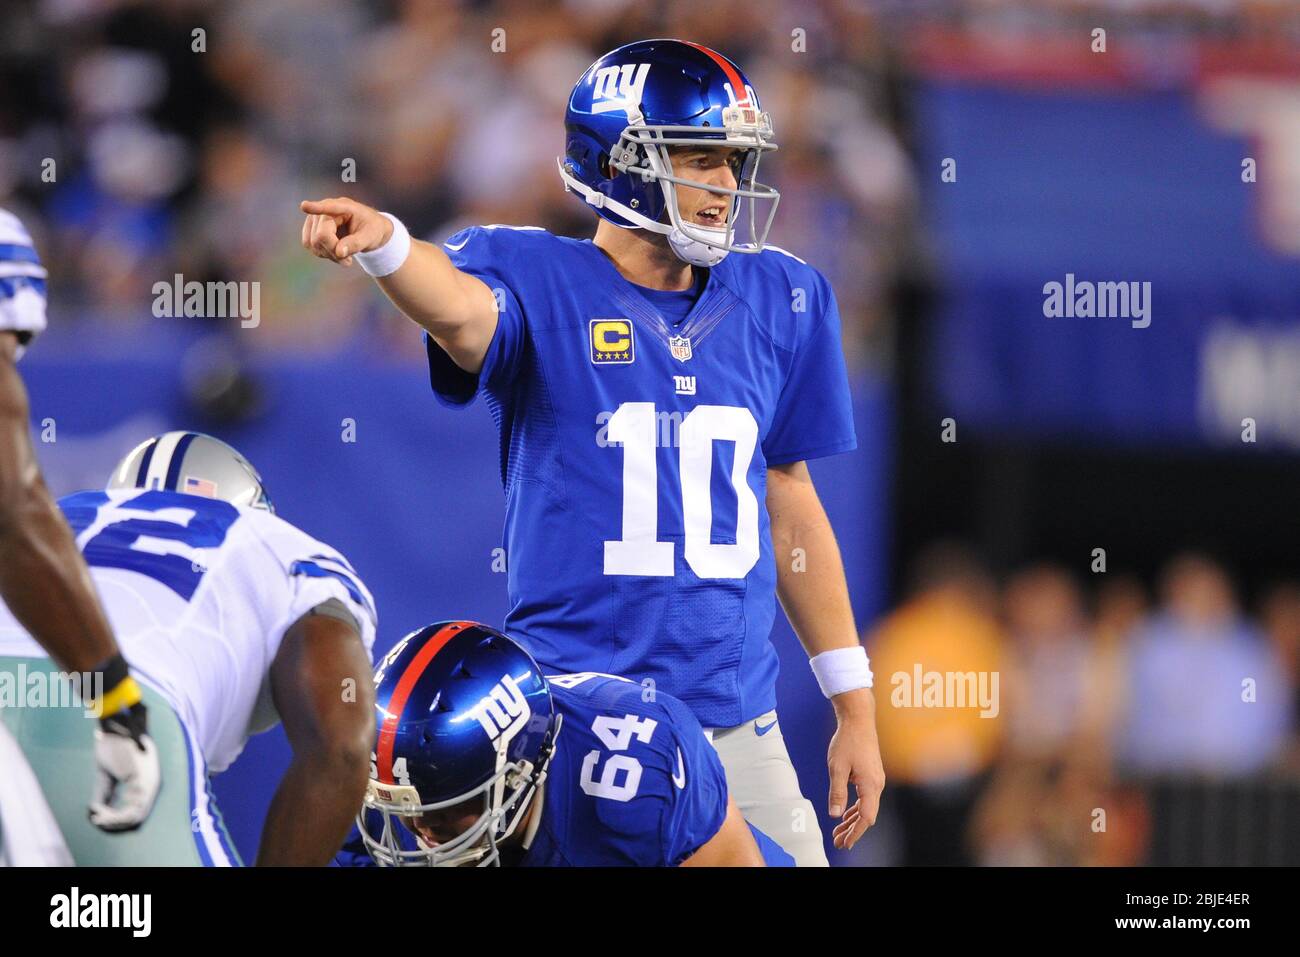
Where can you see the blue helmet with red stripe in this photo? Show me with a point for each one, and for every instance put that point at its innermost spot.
(466, 728)
(636, 102)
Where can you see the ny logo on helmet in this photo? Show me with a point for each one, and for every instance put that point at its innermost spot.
(503, 712)
(618, 87)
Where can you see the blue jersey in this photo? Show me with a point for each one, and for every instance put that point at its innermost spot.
(632, 782)
(634, 455)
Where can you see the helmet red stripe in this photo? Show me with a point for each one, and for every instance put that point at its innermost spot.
(737, 84)
(396, 704)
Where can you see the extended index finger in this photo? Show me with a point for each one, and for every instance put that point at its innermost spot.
(327, 207)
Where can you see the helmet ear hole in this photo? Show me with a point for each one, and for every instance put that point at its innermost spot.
(602, 164)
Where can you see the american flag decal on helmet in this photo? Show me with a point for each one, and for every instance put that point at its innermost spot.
(199, 486)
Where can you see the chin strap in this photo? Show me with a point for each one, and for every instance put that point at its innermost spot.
(544, 762)
(600, 201)
(537, 773)
(536, 821)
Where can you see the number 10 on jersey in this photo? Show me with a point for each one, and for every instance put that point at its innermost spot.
(639, 552)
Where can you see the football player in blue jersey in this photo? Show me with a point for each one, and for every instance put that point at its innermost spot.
(480, 760)
(658, 391)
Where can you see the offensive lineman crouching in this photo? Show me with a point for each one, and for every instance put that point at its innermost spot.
(481, 760)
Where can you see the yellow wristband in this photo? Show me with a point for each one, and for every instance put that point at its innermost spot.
(125, 694)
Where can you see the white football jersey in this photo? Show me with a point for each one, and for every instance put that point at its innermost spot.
(22, 281)
(200, 593)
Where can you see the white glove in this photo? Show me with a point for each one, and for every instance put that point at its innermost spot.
(127, 777)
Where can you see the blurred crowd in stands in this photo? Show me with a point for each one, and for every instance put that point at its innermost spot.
(137, 148)
(174, 161)
(1104, 695)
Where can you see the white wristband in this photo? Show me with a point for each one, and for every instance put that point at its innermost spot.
(841, 670)
(388, 258)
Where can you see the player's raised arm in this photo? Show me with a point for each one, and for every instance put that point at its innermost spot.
(456, 309)
(322, 688)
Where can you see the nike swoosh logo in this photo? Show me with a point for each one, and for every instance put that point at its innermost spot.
(457, 248)
(761, 730)
(680, 777)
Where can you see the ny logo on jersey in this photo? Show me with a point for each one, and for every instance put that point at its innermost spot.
(503, 712)
(619, 87)
(684, 384)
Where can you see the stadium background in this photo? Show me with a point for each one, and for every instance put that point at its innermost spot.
(1120, 691)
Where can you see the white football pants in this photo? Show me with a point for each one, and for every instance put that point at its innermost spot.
(762, 780)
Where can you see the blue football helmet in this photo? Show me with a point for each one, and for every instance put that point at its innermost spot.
(634, 103)
(464, 715)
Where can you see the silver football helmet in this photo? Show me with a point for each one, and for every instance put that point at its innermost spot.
(194, 464)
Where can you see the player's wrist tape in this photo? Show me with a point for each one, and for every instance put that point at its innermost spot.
(121, 693)
(132, 723)
(388, 258)
(841, 670)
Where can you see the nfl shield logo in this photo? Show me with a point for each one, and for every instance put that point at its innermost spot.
(680, 347)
